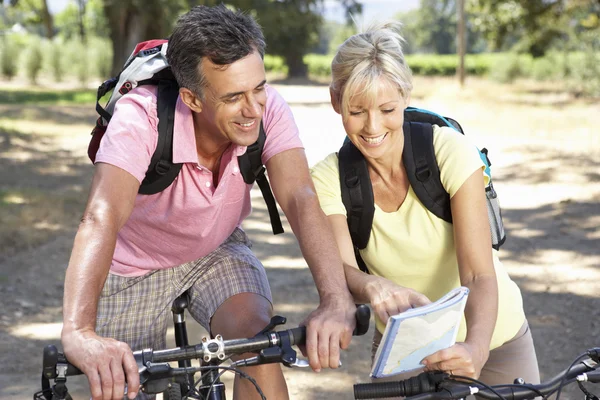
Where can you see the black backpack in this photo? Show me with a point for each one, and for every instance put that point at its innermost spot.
(148, 65)
(423, 174)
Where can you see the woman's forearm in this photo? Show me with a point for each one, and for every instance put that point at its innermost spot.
(481, 311)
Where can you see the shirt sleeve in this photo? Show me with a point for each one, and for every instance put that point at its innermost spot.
(131, 136)
(457, 158)
(280, 127)
(326, 177)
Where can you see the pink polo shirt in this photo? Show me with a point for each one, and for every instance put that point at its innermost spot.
(191, 217)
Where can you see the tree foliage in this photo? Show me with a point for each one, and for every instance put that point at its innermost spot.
(533, 26)
(35, 13)
(431, 28)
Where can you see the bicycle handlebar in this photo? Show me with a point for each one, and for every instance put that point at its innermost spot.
(439, 385)
(56, 365)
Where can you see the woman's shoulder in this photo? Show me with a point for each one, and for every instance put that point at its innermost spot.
(449, 142)
(328, 165)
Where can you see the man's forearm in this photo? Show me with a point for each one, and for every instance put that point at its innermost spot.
(317, 244)
(87, 271)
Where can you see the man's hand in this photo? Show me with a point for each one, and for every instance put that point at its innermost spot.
(461, 359)
(107, 363)
(328, 329)
(387, 298)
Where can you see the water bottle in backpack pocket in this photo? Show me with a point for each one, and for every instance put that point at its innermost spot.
(494, 216)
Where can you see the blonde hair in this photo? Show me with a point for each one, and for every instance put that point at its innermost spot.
(365, 57)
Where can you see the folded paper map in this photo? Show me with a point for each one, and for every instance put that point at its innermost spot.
(416, 333)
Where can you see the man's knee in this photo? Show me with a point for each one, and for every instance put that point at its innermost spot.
(241, 316)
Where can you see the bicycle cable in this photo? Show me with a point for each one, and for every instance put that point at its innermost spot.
(524, 386)
(485, 385)
(588, 394)
(235, 371)
(564, 378)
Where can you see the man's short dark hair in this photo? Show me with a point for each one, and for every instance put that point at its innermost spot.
(217, 33)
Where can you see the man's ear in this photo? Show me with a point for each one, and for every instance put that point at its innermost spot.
(335, 101)
(190, 99)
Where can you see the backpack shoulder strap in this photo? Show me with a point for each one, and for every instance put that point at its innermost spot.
(357, 193)
(422, 169)
(162, 171)
(357, 196)
(252, 169)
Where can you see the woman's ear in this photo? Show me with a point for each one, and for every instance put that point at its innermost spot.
(190, 100)
(335, 101)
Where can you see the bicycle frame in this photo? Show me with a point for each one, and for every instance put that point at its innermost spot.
(212, 388)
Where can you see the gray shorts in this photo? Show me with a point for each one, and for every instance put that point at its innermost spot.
(514, 359)
(137, 310)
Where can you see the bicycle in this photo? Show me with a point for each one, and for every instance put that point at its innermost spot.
(177, 383)
(437, 385)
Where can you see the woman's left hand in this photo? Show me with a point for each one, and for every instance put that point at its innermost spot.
(461, 359)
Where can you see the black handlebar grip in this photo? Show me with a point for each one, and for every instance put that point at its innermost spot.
(49, 361)
(380, 390)
(425, 382)
(298, 335)
(52, 358)
(71, 369)
(363, 317)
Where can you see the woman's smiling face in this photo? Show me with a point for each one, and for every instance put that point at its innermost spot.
(373, 121)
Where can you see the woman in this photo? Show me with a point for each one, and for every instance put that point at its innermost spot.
(414, 256)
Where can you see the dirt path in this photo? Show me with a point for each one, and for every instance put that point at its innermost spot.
(546, 166)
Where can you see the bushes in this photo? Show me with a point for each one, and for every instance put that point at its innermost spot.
(32, 57)
(275, 64)
(91, 63)
(509, 67)
(9, 55)
(318, 65)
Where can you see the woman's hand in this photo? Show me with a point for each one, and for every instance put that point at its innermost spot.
(461, 359)
(387, 298)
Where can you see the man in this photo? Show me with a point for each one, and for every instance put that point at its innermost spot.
(134, 254)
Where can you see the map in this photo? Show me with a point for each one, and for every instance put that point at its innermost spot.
(419, 332)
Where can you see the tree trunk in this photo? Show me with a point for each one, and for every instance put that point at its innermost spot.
(461, 42)
(296, 66)
(126, 29)
(128, 26)
(81, 6)
(48, 20)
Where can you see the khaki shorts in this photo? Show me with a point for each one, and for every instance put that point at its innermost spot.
(137, 310)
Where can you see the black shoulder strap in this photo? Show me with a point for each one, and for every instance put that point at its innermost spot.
(162, 171)
(357, 196)
(422, 169)
(252, 170)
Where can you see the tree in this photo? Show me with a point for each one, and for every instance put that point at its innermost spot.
(36, 12)
(532, 24)
(292, 28)
(432, 28)
(133, 21)
(80, 19)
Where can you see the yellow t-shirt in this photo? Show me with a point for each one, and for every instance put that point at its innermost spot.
(414, 248)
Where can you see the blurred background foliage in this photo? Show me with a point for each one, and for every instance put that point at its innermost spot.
(553, 40)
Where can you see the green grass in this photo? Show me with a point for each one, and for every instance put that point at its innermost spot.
(48, 97)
